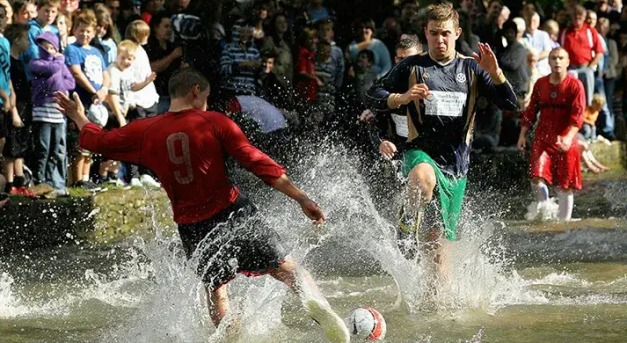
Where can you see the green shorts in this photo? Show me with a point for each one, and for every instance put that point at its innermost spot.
(450, 190)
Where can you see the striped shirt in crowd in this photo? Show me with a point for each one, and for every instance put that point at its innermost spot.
(240, 81)
(48, 113)
(326, 73)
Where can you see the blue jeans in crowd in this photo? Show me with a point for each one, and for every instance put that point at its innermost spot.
(586, 75)
(50, 153)
(607, 123)
(163, 105)
(588, 131)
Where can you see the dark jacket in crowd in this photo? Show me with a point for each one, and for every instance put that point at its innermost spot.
(513, 62)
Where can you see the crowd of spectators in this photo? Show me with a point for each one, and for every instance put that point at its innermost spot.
(311, 61)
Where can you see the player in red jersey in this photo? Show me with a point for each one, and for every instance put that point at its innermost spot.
(555, 157)
(186, 148)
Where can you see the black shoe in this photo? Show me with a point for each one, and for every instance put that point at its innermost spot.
(88, 185)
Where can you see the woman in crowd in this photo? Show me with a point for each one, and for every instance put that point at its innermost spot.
(364, 39)
(281, 44)
(165, 57)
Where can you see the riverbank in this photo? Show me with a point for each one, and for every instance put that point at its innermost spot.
(116, 214)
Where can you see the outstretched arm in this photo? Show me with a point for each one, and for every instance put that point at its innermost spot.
(492, 81)
(309, 207)
(117, 144)
(237, 145)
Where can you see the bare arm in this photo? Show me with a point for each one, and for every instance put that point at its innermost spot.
(81, 79)
(113, 100)
(595, 60)
(6, 101)
(136, 87)
(162, 64)
(12, 97)
(309, 207)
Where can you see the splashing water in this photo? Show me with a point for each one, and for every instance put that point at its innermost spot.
(10, 306)
(164, 301)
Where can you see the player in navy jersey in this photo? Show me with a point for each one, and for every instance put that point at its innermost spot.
(437, 92)
(186, 148)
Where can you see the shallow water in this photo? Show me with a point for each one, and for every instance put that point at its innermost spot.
(558, 303)
(145, 291)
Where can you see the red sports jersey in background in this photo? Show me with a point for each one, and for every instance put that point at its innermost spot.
(186, 150)
(561, 106)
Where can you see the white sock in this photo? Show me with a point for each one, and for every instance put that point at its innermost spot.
(566, 199)
(85, 177)
(541, 191)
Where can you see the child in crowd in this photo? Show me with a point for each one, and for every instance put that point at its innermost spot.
(18, 132)
(63, 24)
(307, 82)
(119, 99)
(46, 14)
(10, 123)
(17, 34)
(325, 71)
(49, 75)
(103, 34)
(144, 94)
(590, 115)
(92, 81)
(24, 11)
(364, 76)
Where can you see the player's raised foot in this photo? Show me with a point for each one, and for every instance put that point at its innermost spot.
(332, 325)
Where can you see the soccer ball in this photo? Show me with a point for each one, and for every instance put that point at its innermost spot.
(366, 323)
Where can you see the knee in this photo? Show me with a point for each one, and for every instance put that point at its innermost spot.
(219, 294)
(286, 270)
(423, 176)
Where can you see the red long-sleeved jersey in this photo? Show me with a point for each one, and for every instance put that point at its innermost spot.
(186, 150)
(561, 106)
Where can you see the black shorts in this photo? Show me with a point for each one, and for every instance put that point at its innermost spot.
(236, 240)
(17, 140)
(3, 124)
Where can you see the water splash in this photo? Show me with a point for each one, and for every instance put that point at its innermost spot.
(166, 303)
(10, 305)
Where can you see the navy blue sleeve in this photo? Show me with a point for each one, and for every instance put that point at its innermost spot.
(502, 95)
(395, 81)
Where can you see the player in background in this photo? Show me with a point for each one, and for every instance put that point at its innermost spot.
(555, 156)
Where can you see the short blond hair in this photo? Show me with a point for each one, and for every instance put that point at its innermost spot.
(127, 46)
(137, 30)
(551, 26)
(442, 12)
(598, 101)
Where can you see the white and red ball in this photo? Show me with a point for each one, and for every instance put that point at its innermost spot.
(366, 323)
